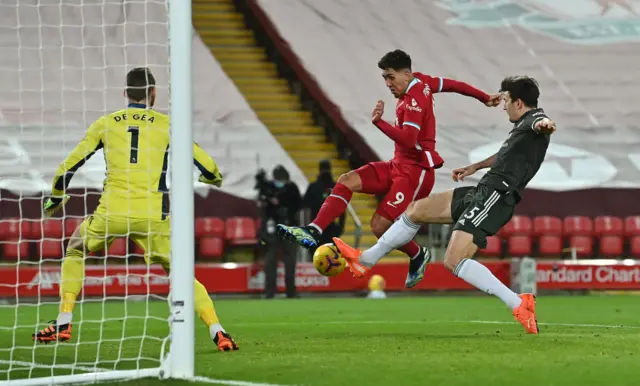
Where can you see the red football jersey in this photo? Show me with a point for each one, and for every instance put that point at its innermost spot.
(414, 131)
(415, 111)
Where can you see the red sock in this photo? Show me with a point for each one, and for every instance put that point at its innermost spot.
(411, 249)
(333, 206)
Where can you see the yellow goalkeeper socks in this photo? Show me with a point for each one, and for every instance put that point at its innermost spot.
(71, 279)
(204, 308)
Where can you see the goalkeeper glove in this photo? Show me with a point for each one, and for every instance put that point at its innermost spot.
(53, 204)
(217, 180)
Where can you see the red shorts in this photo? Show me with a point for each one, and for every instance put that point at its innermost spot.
(401, 185)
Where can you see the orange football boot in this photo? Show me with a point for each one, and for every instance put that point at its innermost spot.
(53, 332)
(352, 256)
(526, 314)
(225, 342)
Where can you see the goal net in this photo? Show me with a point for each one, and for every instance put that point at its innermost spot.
(63, 65)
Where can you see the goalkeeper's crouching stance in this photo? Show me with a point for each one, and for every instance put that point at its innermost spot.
(134, 202)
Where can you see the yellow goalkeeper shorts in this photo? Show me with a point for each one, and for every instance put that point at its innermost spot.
(153, 236)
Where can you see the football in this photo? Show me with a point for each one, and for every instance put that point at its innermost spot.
(328, 260)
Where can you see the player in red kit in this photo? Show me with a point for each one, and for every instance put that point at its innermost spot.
(410, 175)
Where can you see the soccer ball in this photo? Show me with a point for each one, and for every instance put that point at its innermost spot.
(328, 260)
(376, 283)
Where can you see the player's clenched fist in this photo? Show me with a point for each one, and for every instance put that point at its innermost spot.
(378, 111)
(545, 126)
(460, 173)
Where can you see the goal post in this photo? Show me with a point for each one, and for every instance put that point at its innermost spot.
(117, 335)
(182, 216)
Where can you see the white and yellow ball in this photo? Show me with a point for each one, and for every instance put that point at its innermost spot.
(328, 260)
(376, 283)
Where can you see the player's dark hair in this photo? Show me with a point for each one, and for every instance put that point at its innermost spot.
(140, 81)
(522, 87)
(397, 60)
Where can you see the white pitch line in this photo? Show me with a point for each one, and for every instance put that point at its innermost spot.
(98, 369)
(232, 383)
(355, 322)
(552, 324)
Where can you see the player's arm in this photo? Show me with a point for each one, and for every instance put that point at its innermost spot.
(91, 142)
(407, 134)
(209, 171)
(460, 173)
(439, 84)
(543, 125)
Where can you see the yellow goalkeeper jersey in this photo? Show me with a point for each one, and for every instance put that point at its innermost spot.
(135, 142)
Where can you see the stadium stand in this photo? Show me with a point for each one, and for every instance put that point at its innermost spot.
(52, 91)
(477, 42)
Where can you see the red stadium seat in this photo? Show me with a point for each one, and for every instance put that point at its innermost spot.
(209, 226)
(212, 247)
(15, 229)
(608, 226)
(494, 247)
(70, 225)
(632, 226)
(16, 250)
(241, 231)
(550, 245)
(517, 226)
(582, 244)
(51, 249)
(577, 226)
(518, 246)
(138, 251)
(47, 229)
(547, 225)
(634, 245)
(118, 247)
(611, 246)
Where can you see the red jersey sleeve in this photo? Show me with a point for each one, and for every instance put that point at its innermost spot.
(438, 84)
(413, 116)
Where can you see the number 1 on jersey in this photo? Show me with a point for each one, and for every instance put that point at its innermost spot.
(135, 131)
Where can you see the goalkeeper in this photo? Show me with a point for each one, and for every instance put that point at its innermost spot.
(134, 203)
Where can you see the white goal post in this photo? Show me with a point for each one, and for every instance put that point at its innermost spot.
(174, 354)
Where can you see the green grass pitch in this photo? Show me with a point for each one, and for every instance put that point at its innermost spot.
(426, 340)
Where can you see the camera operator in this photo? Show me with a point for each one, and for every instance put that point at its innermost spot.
(316, 194)
(280, 201)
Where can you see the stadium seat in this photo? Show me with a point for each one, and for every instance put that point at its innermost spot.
(547, 225)
(241, 231)
(632, 226)
(209, 226)
(608, 226)
(118, 247)
(51, 249)
(577, 226)
(47, 229)
(138, 251)
(517, 226)
(582, 244)
(16, 250)
(212, 247)
(494, 247)
(611, 246)
(14, 229)
(634, 246)
(518, 246)
(71, 224)
(550, 245)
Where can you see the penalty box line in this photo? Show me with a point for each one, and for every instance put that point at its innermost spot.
(355, 322)
(88, 369)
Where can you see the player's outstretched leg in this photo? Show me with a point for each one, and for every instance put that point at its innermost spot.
(71, 278)
(332, 208)
(204, 307)
(458, 260)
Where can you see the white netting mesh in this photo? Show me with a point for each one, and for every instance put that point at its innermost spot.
(63, 65)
